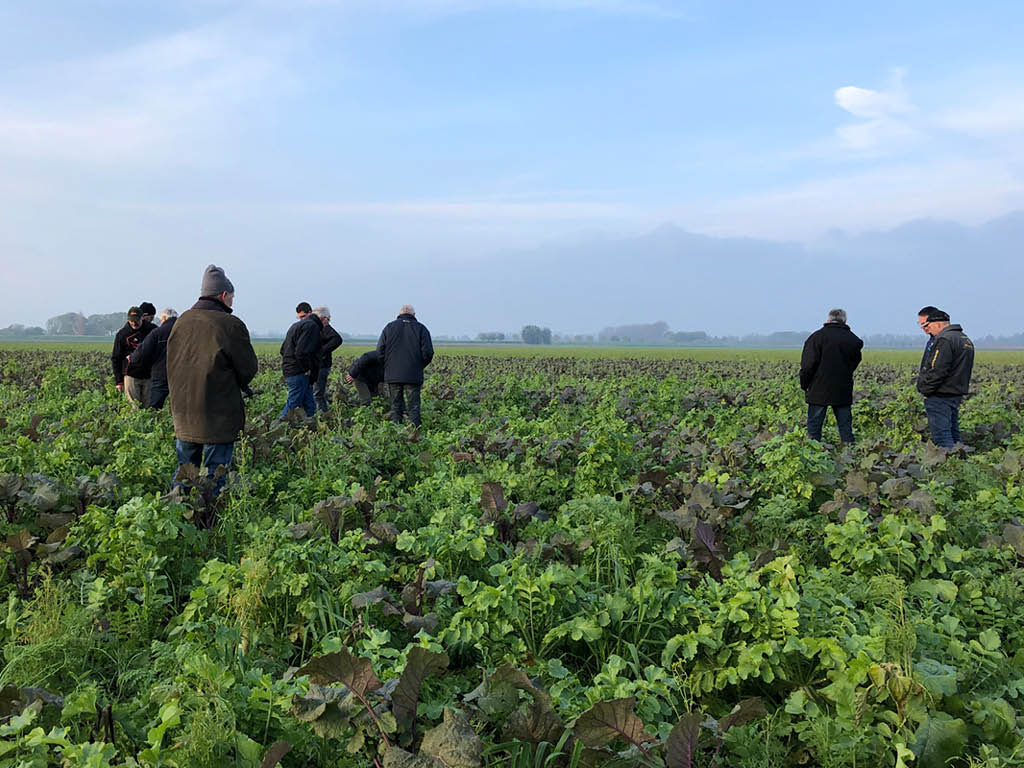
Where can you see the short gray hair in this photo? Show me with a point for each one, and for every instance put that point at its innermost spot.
(167, 312)
(322, 312)
(407, 310)
(837, 315)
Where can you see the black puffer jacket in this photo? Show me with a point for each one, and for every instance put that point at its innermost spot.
(947, 370)
(127, 341)
(330, 340)
(151, 356)
(300, 351)
(368, 369)
(406, 349)
(831, 355)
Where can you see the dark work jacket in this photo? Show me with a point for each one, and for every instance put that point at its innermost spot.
(330, 340)
(210, 361)
(127, 341)
(947, 370)
(831, 355)
(151, 355)
(406, 349)
(300, 351)
(367, 369)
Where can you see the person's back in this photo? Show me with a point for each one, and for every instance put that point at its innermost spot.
(830, 356)
(209, 360)
(405, 349)
(837, 352)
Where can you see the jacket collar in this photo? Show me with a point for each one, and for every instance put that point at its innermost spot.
(406, 316)
(211, 302)
(836, 325)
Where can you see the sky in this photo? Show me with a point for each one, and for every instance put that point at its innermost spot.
(344, 152)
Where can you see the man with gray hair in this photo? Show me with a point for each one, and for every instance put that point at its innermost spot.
(405, 349)
(830, 356)
(330, 340)
(152, 356)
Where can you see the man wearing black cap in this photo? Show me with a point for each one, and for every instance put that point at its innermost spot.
(148, 310)
(210, 362)
(945, 375)
(132, 380)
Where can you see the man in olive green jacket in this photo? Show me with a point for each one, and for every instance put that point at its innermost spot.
(210, 361)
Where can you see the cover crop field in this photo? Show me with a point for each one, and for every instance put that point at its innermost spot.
(579, 560)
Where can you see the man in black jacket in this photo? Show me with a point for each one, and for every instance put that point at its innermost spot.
(130, 379)
(945, 376)
(330, 340)
(830, 356)
(300, 360)
(367, 374)
(406, 349)
(151, 356)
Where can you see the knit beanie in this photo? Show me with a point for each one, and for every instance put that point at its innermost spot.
(215, 282)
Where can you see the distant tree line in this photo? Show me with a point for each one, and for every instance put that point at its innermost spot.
(19, 331)
(534, 334)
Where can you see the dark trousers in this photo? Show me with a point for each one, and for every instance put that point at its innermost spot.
(209, 455)
(405, 398)
(300, 395)
(158, 393)
(943, 419)
(364, 395)
(816, 420)
(320, 389)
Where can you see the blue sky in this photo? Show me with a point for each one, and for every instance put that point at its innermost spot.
(141, 141)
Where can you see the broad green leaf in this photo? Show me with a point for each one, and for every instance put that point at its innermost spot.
(939, 739)
(936, 677)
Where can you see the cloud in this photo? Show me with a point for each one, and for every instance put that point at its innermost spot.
(474, 210)
(884, 115)
(135, 104)
(1000, 118)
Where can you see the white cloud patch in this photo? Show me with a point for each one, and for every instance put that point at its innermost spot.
(885, 115)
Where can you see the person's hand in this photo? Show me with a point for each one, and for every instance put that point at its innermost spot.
(120, 386)
(348, 378)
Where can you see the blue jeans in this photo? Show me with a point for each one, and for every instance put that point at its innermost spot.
(816, 420)
(300, 395)
(209, 455)
(320, 389)
(943, 419)
(158, 393)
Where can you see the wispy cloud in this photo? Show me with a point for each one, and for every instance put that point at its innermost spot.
(135, 103)
(884, 115)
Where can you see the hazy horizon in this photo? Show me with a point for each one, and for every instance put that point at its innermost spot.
(566, 163)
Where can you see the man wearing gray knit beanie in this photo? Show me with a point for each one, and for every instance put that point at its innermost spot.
(210, 362)
(215, 282)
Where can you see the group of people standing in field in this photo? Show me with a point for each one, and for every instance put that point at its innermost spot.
(206, 361)
(832, 353)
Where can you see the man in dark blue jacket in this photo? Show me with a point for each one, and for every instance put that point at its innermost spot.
(830, 356)
(406, 349)
(945, 375)
(300, 360)
(151, 356)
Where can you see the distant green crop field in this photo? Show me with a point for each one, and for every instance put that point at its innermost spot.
(995, 356)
